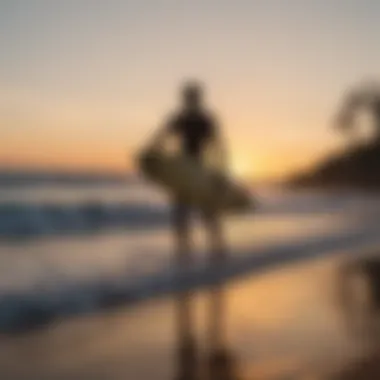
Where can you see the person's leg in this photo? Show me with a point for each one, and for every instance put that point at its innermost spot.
(217, 257)
(186, 350)
(214, 228)
(181, 225)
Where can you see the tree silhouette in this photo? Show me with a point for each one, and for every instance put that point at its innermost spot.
(365, 97)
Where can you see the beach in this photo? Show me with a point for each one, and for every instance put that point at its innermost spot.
(89, 289)
(284, 323)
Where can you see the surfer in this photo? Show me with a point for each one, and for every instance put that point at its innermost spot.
(199, 137)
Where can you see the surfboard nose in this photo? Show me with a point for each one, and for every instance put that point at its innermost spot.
(149, 162)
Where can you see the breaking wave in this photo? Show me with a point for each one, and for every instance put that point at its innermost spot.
(28, 220)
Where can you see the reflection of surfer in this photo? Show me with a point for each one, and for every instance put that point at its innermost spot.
(198, 134)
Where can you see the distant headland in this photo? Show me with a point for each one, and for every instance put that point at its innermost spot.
(359, 165)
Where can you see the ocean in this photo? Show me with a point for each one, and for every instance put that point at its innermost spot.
(80, 247)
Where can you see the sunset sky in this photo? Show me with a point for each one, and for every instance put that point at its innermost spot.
(84, 82)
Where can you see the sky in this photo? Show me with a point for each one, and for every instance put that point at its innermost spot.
(83, 83)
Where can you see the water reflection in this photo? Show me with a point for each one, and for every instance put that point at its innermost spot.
(359, 290)
(358, 283)
(220, 363)
(217, 362)
(187, 350)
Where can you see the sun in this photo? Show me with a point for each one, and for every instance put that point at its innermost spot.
(241, 168)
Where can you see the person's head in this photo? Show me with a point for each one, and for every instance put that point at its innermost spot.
(192, 94)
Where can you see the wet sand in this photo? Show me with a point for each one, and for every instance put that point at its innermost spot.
(288, 323)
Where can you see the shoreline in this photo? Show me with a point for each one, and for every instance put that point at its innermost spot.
(282, 322)
(42, 306)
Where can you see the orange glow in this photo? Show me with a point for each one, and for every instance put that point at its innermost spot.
(93, 154)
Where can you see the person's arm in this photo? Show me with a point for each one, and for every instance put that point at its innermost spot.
(162, 134)
(218, 149)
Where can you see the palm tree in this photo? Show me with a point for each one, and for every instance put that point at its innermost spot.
(365, 97)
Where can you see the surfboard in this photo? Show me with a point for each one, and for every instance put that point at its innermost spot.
(186, 178)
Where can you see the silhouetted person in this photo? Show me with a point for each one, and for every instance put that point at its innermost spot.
(198, 134)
